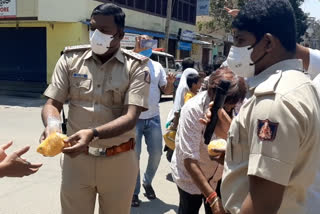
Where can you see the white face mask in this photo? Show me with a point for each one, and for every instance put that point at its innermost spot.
(100, 42)
(240, 62)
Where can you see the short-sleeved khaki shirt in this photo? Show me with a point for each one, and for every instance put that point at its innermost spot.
(276, 137)
(98, 93)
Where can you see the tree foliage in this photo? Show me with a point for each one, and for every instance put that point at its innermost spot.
(222, 20)
(301, 17)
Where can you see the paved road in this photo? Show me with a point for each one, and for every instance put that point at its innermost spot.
(39, 193)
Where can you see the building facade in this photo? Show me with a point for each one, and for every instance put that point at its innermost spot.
(312, 36)
(219, 35)
(34, 32)
(149, 17)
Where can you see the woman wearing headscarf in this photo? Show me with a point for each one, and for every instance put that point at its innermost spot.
(180, 93)
(173, 117)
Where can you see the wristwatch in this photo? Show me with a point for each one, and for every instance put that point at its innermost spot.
(95, 134)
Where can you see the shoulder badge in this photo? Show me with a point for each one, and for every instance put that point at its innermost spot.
(76, 48)
(136, 56)
(267, 130)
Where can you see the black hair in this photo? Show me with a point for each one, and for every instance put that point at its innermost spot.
(269, 16)
(109, 9)
(238, 87)
(187, 63)
(192, 79)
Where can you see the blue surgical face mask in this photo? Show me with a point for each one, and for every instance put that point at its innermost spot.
(146, 53)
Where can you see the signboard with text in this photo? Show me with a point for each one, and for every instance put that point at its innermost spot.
(129, 40)
(203, 7)
(187, 35)
(8, 9)
(184, 46)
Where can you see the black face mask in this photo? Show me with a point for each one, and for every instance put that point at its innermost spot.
(261, 58)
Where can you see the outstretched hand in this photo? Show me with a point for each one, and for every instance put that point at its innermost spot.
(232, 12)
(13, 165)
(3, 148)
(171, 78)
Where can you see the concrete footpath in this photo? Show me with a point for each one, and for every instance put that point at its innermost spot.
(39, 193)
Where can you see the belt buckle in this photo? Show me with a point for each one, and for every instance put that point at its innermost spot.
(97, 151)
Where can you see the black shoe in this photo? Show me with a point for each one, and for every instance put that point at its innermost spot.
(170, 178)
(169, 154)
(135, 201)
(150, 194)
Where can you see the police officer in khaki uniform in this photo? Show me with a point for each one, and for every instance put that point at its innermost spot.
(107, 89)
(273, 143)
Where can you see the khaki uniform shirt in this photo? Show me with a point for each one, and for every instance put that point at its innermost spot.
(276, 137)
(98, 93)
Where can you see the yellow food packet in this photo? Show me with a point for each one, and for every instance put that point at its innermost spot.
(52, 145)
(216, 144)
(169, 139)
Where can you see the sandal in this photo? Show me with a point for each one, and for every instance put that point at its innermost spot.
(150, 194)
(135, 201)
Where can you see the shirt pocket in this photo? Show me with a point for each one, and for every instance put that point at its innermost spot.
(107, 98)
(234, 148)
(80, 87)
(118, 97)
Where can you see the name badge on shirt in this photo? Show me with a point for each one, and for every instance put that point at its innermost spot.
(85, 76)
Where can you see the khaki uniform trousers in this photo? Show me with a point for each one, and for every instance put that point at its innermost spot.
(112, 178)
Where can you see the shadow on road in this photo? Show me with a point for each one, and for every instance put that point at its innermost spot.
(24, 101)
(21, 101)
(155, 207)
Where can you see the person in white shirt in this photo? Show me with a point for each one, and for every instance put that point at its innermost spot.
(149, 124)
(311, 60)
(194, 173)
(311, 64)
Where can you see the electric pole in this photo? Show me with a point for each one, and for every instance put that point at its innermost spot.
(167, 28)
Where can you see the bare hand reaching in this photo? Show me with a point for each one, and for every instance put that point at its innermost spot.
(3, 148)
(232, 12)
(171, 78)
(13, 165)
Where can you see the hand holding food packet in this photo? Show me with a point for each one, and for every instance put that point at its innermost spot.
(53, 145)
(54, 142)
(219, 144)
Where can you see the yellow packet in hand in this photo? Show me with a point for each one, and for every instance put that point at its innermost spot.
(52, 145)
(169, 139)
(216, 144)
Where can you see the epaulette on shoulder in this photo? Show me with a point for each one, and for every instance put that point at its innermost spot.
(136, 56)
(76, 48)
